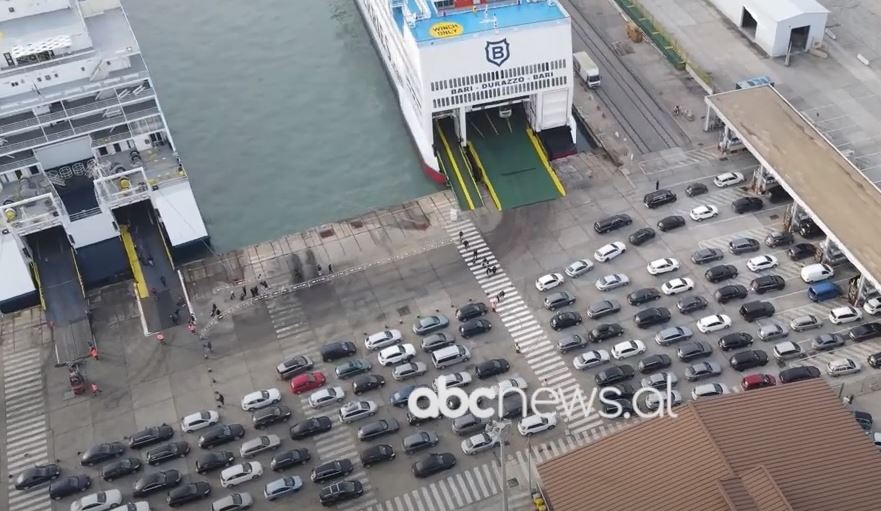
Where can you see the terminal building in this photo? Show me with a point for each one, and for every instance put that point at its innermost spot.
(778, 27)
(91, 184)
(486, 90)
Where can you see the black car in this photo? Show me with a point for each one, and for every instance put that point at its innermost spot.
(436, 341)
(292, 366)
(415, 421)
(641, 236)
(654, 363)
(779, 239)
(400, 397)
(221, 434)
(378, 428)
(743, 245)
(611, 223)
(566, 319)
(340, 492)
(571, 342)
(658, 198)
(690, 350)
(367, 382)
(101, 453)
(157, 481)
(735, 341)
(605, 331)
(213, 461)
(337, 350)
(707, 255)
(671, 222)
(749, 359)
(150, 436)
(721, 272)
(747, 204)
(433, 463)
(491, 368)
(270, 415)
(622, 391)
(558, 300)
(351, 368)
(801, 251)
(331, 470)
(865, 332)
(874, 360)
(864, 419)
(471, 310)
(166, 452)
(695, 189)
(603, 308)
(614, 374)
(290, 458)
(64, 486)
(692, 303)
(651, 317)
(808, 228)
(732, 292)
(765, 283)
(120, 468)
(188, 493)
(36, 475)
(377, 454)
(310, 427)
(619, 408)
(799, 373)
(474, 327)
(644, 295)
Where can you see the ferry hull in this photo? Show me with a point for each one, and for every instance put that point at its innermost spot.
(430, 166)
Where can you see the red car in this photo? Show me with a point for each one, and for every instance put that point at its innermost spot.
(757, 381)
(306, 382)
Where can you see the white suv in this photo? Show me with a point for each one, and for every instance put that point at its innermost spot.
(533, 424)
(326, 396)
(357, 410)
(846, 314)
(260, 399)
(394, 355)
(241, 473)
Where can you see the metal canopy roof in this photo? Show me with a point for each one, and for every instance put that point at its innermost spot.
(843, 202)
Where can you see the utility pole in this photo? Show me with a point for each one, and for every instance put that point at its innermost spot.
(529, 463)
(499, 430)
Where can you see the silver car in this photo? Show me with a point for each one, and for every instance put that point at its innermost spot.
(603, 308)
(282, 487)
(806, 322)
(478, 443)
(771, 330)
(233, 502)
(702, 370)
(612, 281)
(255, 446)
(409, 370)
(673, 335)
(659, 380)
(578, 268)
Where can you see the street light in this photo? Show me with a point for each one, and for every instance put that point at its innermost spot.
(499, 431)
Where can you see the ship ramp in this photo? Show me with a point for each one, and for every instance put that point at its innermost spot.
(455, 165)
(510, 158)
(62, 294)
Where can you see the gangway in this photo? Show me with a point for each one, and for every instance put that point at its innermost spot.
(62, 293)
(455, 165)
(510, 158)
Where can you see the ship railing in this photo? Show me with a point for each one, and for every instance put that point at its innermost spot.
(88, 107)
(141, 113)
(116, 137)
(24, 144)
(32, 215)
(7, 128)
(58, 135)
(86, 213)
(18, 164)
(123, 188)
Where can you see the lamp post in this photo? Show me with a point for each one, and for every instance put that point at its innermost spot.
(499, 430)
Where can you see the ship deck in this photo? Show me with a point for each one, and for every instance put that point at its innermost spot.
(499, 15)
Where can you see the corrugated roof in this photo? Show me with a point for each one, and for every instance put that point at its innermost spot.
(792, 447)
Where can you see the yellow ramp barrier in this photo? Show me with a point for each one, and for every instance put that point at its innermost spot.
(39, 284)
(544, 160)
(486, 181)
(129, 244)
(456, 169)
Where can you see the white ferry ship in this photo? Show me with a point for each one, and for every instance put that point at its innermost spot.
(92, 189)
(486, 89)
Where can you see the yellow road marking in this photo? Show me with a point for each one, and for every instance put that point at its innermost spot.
(129, 245)
(544, 160)
(489, 185)
(39, 284)
(76, 267)
(455, 166)
(470, 174)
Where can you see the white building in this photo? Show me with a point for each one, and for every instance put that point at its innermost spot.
(777, 25)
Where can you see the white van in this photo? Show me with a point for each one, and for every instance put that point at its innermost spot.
(587, 69)
(450, 355)
(816, 272)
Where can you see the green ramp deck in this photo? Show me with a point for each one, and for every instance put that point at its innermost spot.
(454, 165)
(509, 159)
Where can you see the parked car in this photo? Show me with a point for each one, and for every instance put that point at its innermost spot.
(747, 205)
(378, 428)
(337, 350)
(735, 340)
(612, 281)
(603, 308)
(713, 323)
(671, 222)
(653, 363)
(673, 335)
(605, 331)
(865, 332)
(293, 365)
(749, 359)
(101, 453)
(644, 295)
(658, 198)
(478, 443)
(776, 239)
(282, 487)
(383, 339)
(270, 415)
(691, 350)
(703, 212)
(844, 315)
(377, 454)
(491, 368)
(743, 245)
(842, 367)
(706, 255)
(805, 322)
(157, 481)
(66, 486)
(798, 373)
(772, 330)
(611, 223)
(659, 380)
(536, 423)
(260, 399)
(691, 304)
(578, 268)
(591, 359)
(38, 475)
(340, 492)
(150, 436)
(400, 353)
(186, 493)
(642, 236)
(609, 251)
(214, 460)
(100, 501)
(474, 327)
(721, 272)
(258, 445)
(115, 469)
(708, 390)
(677, 286)
(167, 452)
(366, 383)
(628, 349)
(662, 266)
(357, 410)
(433, 463)
(331, 470)
(558, 300)
(728, 179)
(436, 341)
(310, 427)
(326, 396)
(652, 316)
(801, 251)
(614, 374)
(409, 370)
(761, 263)
(352, 367)
(571, 342)
(757, 381)
(199, 420)
(702, 370)
(731, 292)
(221, 434)
(695, 189)
(787, 350)
(826, 342)
(306, 382)
(471, 310)
(765, 283)
(431, 323)
(548, 282)
(567, 319)
(418, 441)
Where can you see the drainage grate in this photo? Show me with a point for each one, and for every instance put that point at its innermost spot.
(513, 482)
(326, 231)
(357, 224)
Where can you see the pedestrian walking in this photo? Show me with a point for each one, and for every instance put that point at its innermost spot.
(93, 351)
(150, 261)
(180, 302)
(461, 235)
(153, 291)
(232, 295)
(329, 268)
(219, 314)
(487, 271)
(174, 318)
(164, 282)
(657, 185)
(160, 338)
(220, 399)
(465, 243)
(192, 328)
(494, 269)
(95, 389)
(255, 291)
(208, 346)
(264, 284)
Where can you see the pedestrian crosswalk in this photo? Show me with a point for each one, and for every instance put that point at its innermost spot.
(722, 199)
(483, 482)
(677, 158)
(27, 442)
(527, 334)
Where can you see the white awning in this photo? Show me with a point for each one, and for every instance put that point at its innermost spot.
(53, 43)
(180, 213)
(15, 277)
